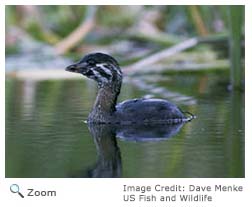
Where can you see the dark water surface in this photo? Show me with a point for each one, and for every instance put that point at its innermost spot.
(46, 135)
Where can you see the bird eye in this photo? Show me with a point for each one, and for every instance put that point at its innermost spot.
(91, 62)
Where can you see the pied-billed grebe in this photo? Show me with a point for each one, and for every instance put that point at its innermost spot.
(106, 72)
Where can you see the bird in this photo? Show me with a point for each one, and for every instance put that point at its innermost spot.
(106, 71)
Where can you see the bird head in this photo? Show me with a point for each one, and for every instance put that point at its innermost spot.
(100, 67)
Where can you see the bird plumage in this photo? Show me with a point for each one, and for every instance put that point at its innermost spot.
(105, 70)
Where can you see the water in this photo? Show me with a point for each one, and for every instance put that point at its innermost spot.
(46, 133)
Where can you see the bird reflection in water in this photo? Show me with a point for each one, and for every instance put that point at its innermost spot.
(109, 162)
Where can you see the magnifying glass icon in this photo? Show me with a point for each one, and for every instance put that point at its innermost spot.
(14, 188)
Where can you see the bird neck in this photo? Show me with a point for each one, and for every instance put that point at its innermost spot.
(105, 103)
(106, 99)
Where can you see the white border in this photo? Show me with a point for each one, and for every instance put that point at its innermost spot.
(128, 2)
(107, 192)
(248, 94)
(2, 93)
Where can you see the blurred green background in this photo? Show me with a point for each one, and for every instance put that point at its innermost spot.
(46, 106)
